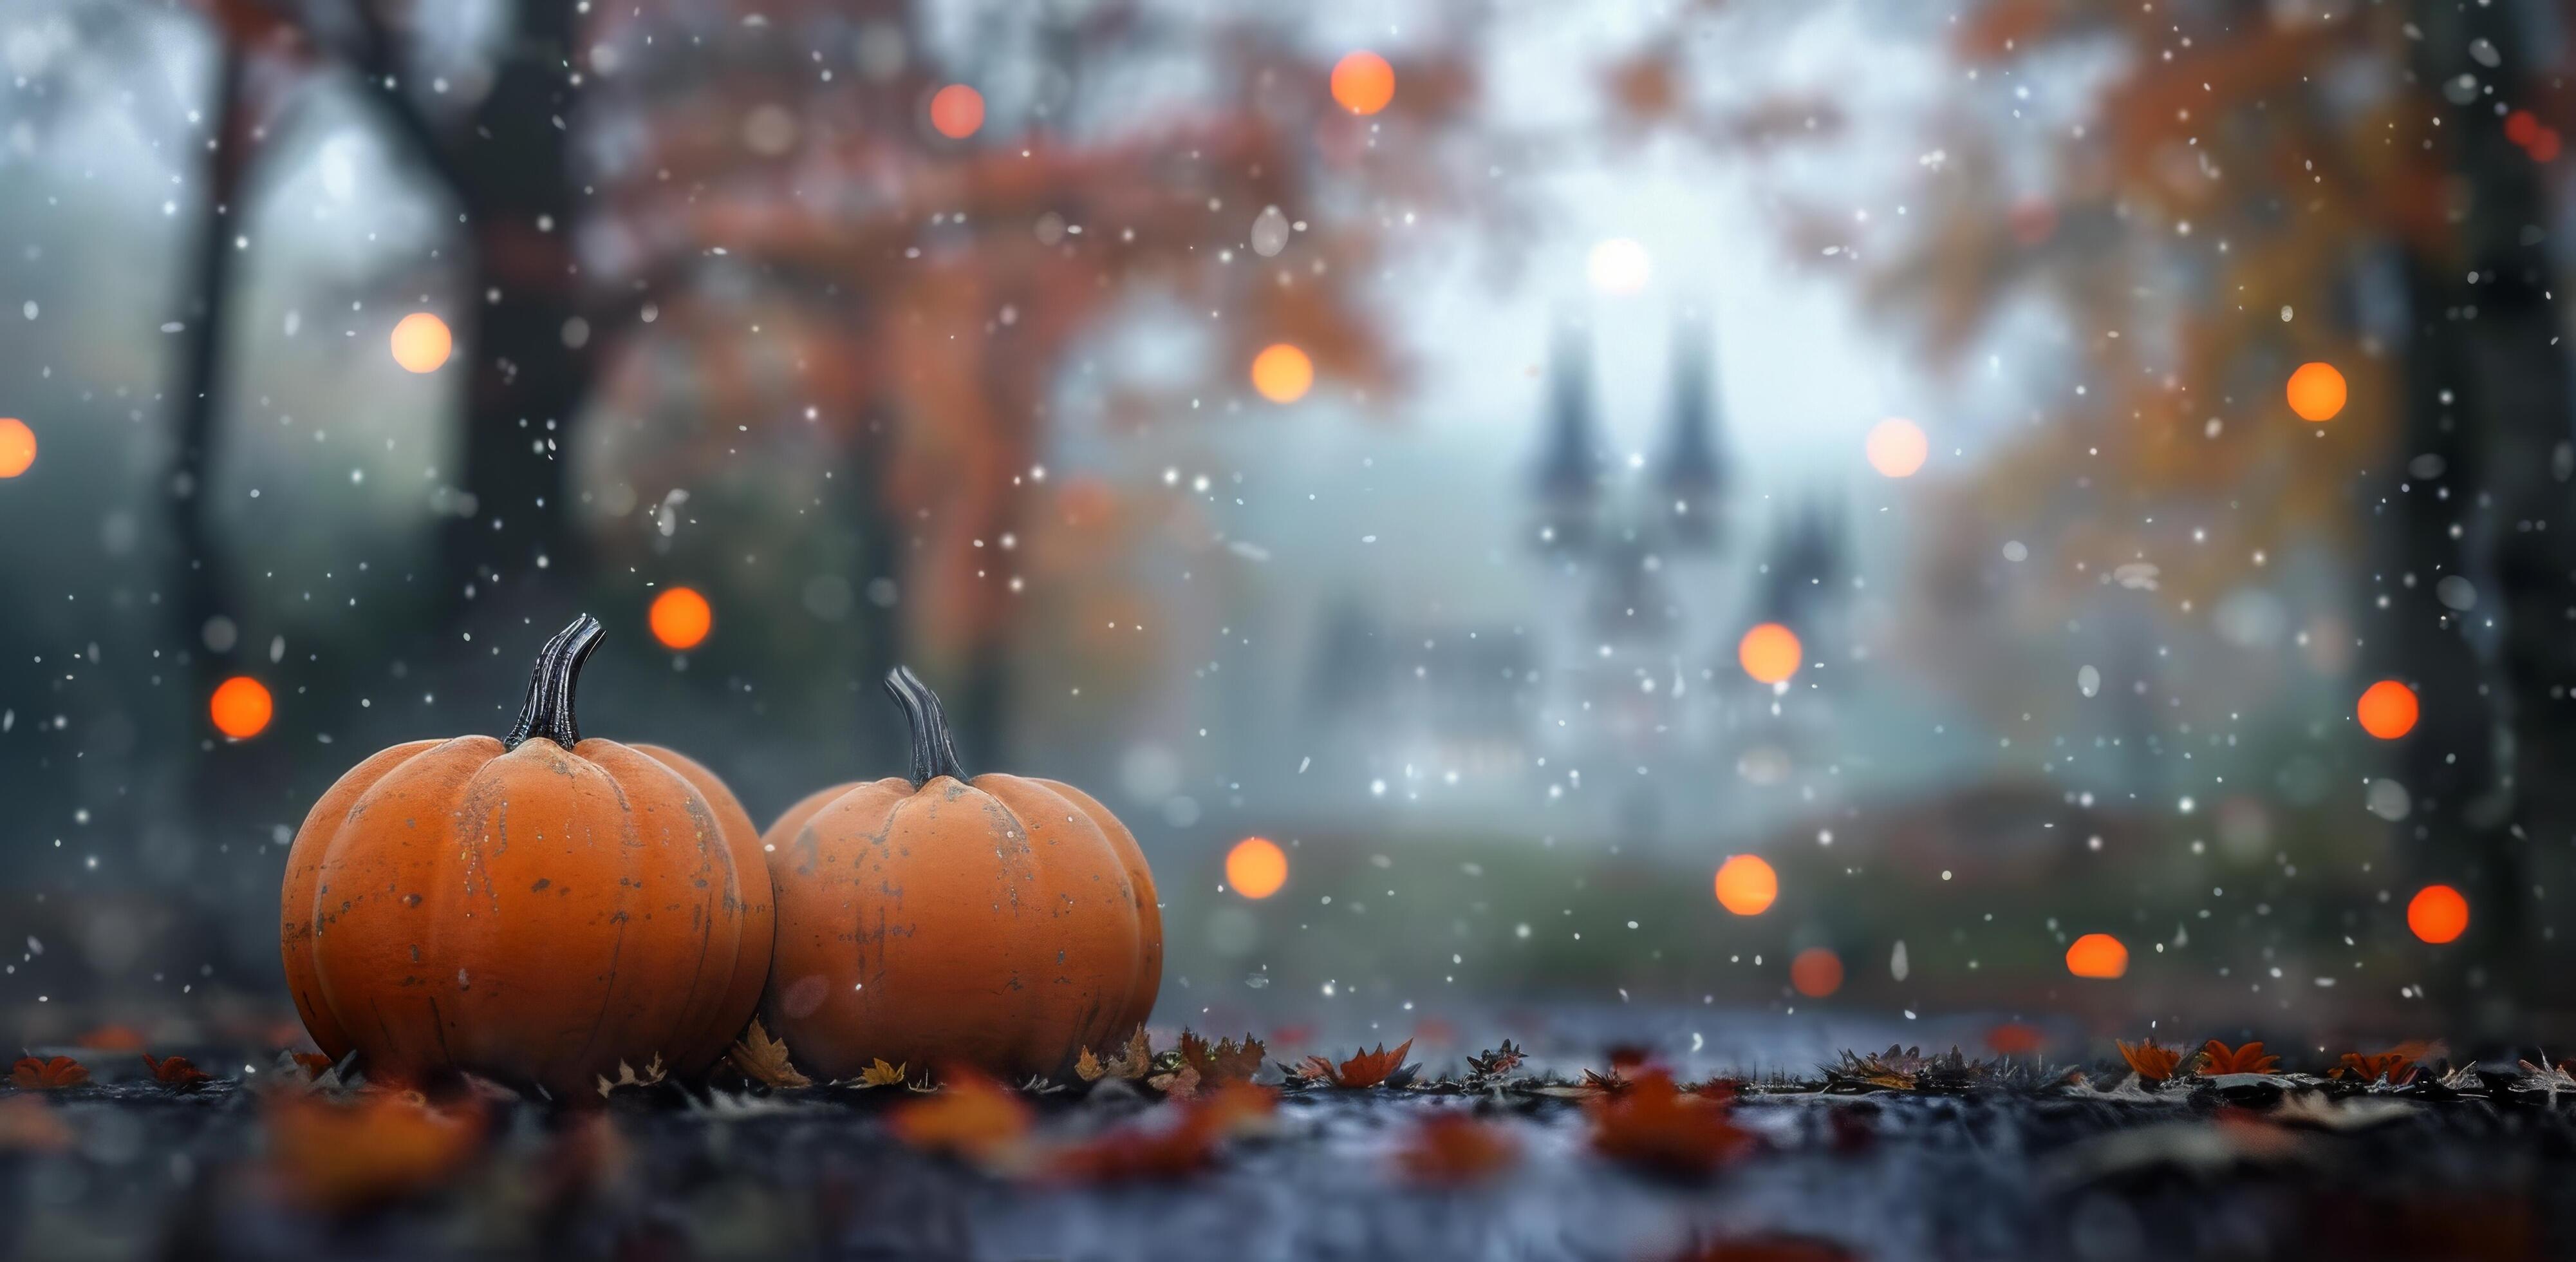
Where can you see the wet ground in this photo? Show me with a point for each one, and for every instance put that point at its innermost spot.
(2017, 1164)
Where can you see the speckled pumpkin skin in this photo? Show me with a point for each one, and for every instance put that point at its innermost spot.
(1004, 923)
(533, 916)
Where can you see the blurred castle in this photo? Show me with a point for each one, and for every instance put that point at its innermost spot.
(1619, 703)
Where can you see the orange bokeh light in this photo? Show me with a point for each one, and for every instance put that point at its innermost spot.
(1282, 373)
(2316, 392)
(1769, 653)
(241, 707)
(1746, 885)
(956, 111)
(1817, 972)
(1363, 83)
(2437, 914)
(17, 447)
(2387, 710)
(1897, 447)
(422, 343)
(681, 618)
(2097, 955)
(1256, 867)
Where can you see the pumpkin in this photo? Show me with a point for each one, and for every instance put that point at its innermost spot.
(999, 922)
(534, 909)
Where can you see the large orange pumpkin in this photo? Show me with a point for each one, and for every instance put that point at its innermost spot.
(534, 909)
(1001, 922)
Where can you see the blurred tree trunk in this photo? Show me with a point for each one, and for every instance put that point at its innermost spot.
(528, 356)
(2490, 393)
(203, 311)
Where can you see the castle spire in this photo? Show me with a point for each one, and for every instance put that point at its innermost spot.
(1693, 472)
(1569, 470)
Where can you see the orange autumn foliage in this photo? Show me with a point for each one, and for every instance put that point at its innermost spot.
(2216, 1058)
(383, 1147)
(1182, 1148)
(113, 1038)
(1363, 1069)
(2397, 1067)
(2153, 1063)
(972, 1116)
(1657, 1127)
(1454, 1149)
(28, 1124)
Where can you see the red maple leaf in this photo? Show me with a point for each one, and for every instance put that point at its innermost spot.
(175, 1071)
(31, 1074)
(1366, 1069)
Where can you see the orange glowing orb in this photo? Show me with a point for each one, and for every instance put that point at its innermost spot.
(2387, 710)
(1897, 447)
(681, 618)
(1769, 653)
(2437, 914)
(1746, 885)
(1282, 373)
(1817, 972)
(2097, 955)
(241, 707)
(422, 342)
(2316, 392)
(956, 111)
(1256, 868)
(1363, 83)
(17, 447)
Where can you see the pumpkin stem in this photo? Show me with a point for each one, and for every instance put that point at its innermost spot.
(934, 753)
(548, 710)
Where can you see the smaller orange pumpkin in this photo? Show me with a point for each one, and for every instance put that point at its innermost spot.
(534, 909)
(1000, 922)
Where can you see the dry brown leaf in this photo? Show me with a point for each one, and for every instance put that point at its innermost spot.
(1179, 1084)
(764, 1059)
(1494, 1063)
(1088, 1067)
(880, 1074)
(1224, 1060)
(628, 1076)
(31, 1074)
